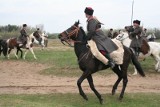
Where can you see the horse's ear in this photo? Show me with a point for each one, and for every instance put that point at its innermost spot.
(77, 23)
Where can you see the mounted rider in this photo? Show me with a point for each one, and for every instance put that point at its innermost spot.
(96, 35)
(36, 34)
(135, 35)
(23, 37)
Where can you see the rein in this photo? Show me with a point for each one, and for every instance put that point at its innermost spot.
(69, 34)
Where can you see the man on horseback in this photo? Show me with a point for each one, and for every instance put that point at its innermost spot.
(23, 37)
(135, 35)
(95, 34)
(36, 34)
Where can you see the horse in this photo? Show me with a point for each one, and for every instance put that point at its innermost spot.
(154, 49)
(89, 64)
(13, 43)
(115, 34)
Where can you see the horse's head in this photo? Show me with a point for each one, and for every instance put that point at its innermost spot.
(122, 36)
(129, 28)
(70, 34)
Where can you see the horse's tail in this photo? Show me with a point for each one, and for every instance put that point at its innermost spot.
(137, 64)
(1, 46)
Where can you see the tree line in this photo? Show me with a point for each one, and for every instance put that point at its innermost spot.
(8, 31)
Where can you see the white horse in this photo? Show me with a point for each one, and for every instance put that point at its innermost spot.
(30, 41)
(154, 50)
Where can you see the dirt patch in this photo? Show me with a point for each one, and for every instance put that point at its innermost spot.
(20, 77)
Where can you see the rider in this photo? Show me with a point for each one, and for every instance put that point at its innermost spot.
(37, 36)
(23, 37)
(135, 35)
(95, 34)
(110, 33)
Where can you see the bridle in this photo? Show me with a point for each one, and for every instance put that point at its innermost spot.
(68, 36)
(121, 38)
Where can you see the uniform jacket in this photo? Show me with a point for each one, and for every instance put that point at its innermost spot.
(95, 33)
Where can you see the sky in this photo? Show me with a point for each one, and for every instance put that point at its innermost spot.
(58, 15)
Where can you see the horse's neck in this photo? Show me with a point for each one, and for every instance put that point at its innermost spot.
(126, 42)
(80, 47)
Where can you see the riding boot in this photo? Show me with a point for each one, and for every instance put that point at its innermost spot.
(111, 63)
(137, 50)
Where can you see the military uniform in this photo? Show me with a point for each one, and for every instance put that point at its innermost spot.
(23, 36)
(136, 38)
(95, 33)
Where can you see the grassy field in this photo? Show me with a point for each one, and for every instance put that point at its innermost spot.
(74, 100)
(62, 62)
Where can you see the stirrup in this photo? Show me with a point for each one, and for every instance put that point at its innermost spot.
(111, 64)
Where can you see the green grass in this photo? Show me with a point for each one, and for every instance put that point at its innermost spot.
(62, 61)
(75, 100)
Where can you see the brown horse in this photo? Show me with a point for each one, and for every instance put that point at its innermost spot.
(89, 64)
(13, 43)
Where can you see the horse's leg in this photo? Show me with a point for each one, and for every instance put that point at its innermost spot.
(125, 81)
(79, 82)
(135, 71)
(90, 81)
(24, 57)
(15, 53)
(21, 52)
(31, 49)
(8, 52)
(157, 58)
(19, 49)
(117, 71)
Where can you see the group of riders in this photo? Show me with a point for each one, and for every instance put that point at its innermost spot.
(22, 39)
(104, 44)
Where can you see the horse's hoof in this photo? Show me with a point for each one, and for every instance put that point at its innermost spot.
(113, 92)
(85, 98)
(120, 98)
(134, 74)
(101, 101)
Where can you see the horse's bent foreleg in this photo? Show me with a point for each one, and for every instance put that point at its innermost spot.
(79, 82)
(90, 81)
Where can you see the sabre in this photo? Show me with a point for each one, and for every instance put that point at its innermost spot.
(132, 11)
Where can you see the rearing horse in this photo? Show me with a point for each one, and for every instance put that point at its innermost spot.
(89, 64)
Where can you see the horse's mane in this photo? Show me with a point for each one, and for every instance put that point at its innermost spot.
(83, 32)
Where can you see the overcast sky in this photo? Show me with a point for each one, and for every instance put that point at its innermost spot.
(58, 15)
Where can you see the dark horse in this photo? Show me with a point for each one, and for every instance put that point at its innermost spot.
(89, 65)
